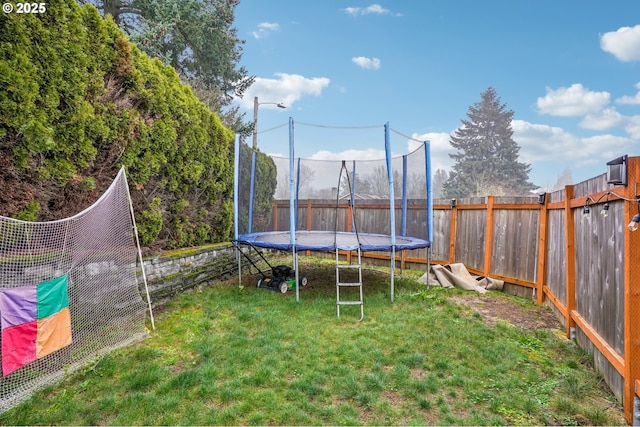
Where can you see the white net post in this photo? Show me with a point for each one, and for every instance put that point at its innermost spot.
(135, 232)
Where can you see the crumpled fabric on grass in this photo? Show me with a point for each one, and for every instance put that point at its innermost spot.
(457, 276)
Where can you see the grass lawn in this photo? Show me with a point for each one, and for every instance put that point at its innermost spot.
(232, 355)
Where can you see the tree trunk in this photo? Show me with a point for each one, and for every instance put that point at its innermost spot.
(113, 8)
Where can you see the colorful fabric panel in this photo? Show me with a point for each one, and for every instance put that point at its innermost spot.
(35, 322)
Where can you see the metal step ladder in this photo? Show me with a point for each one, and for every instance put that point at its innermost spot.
(357, 284)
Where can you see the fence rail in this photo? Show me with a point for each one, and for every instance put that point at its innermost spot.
(586, 266)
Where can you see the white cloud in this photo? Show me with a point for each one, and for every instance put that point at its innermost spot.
(375, 9)
(264, 29)
(632, 127)
(605, 147)
(286, 89)
(366, 63)
(624, 43)
(573, 101)
(439, 146)
(630, 100)
(369, 154)
(540, 143)
(351, 10)
(603, 120)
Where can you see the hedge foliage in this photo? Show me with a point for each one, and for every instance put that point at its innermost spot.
(78, 101)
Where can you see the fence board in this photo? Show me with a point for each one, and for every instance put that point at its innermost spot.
(591, 186)
(556, 255)
(373, 220)
(469, 245)
(441, 234)
(515, 243)
(599, 283)
(416, 219)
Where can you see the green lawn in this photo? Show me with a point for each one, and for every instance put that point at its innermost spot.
(232, 355)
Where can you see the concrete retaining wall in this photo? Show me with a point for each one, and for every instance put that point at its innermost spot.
(178, 271)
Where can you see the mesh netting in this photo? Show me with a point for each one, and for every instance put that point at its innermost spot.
(364, 182)
(320, 179)
(68, 293)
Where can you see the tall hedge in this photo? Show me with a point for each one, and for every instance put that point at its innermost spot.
(77, 101)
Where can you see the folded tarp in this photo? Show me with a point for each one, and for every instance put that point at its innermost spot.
(457, 276)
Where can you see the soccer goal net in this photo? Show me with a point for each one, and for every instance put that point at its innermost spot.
(69, 292)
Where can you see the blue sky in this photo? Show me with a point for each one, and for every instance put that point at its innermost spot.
(570, 71)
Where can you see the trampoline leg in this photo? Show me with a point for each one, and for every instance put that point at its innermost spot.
(392, 289)
(428, 265)
(238, 257)
(295, 266)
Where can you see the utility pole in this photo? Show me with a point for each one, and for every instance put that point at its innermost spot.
(256, 104)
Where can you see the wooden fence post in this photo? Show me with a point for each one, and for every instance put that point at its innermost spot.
(542, 251)
(571, 259)
(453, 231)
(488, 237)
(631, 293)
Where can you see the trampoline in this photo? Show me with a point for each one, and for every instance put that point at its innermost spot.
(330, 241)
(350, 227)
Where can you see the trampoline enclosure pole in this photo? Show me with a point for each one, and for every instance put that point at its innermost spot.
(429, 193)
(252, 189)
(403, 226)
(236, 165)
(392, 208)
(427, 151)
(353, 197)
(236, 161)
(297, 197)
(292, 204)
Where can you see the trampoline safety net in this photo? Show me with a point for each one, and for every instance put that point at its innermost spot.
(339, 194)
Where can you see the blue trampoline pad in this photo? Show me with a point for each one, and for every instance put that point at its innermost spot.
(329, 241)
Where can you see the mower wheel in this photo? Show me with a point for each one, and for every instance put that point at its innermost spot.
(303, 281)
(259, 283)
(284, 287)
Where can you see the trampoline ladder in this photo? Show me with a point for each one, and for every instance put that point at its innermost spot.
(357, 284)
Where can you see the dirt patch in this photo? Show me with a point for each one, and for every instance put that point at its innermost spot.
(492, 309)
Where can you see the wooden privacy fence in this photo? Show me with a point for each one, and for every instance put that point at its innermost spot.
(585, 265)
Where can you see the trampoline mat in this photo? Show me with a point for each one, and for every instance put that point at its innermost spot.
(328, 241)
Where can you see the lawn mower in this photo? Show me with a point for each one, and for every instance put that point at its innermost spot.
(282, 277)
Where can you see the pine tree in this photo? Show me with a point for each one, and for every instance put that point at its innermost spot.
(487, 156)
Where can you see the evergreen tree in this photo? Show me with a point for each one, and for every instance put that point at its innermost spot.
(487, 158)
(197, 39)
